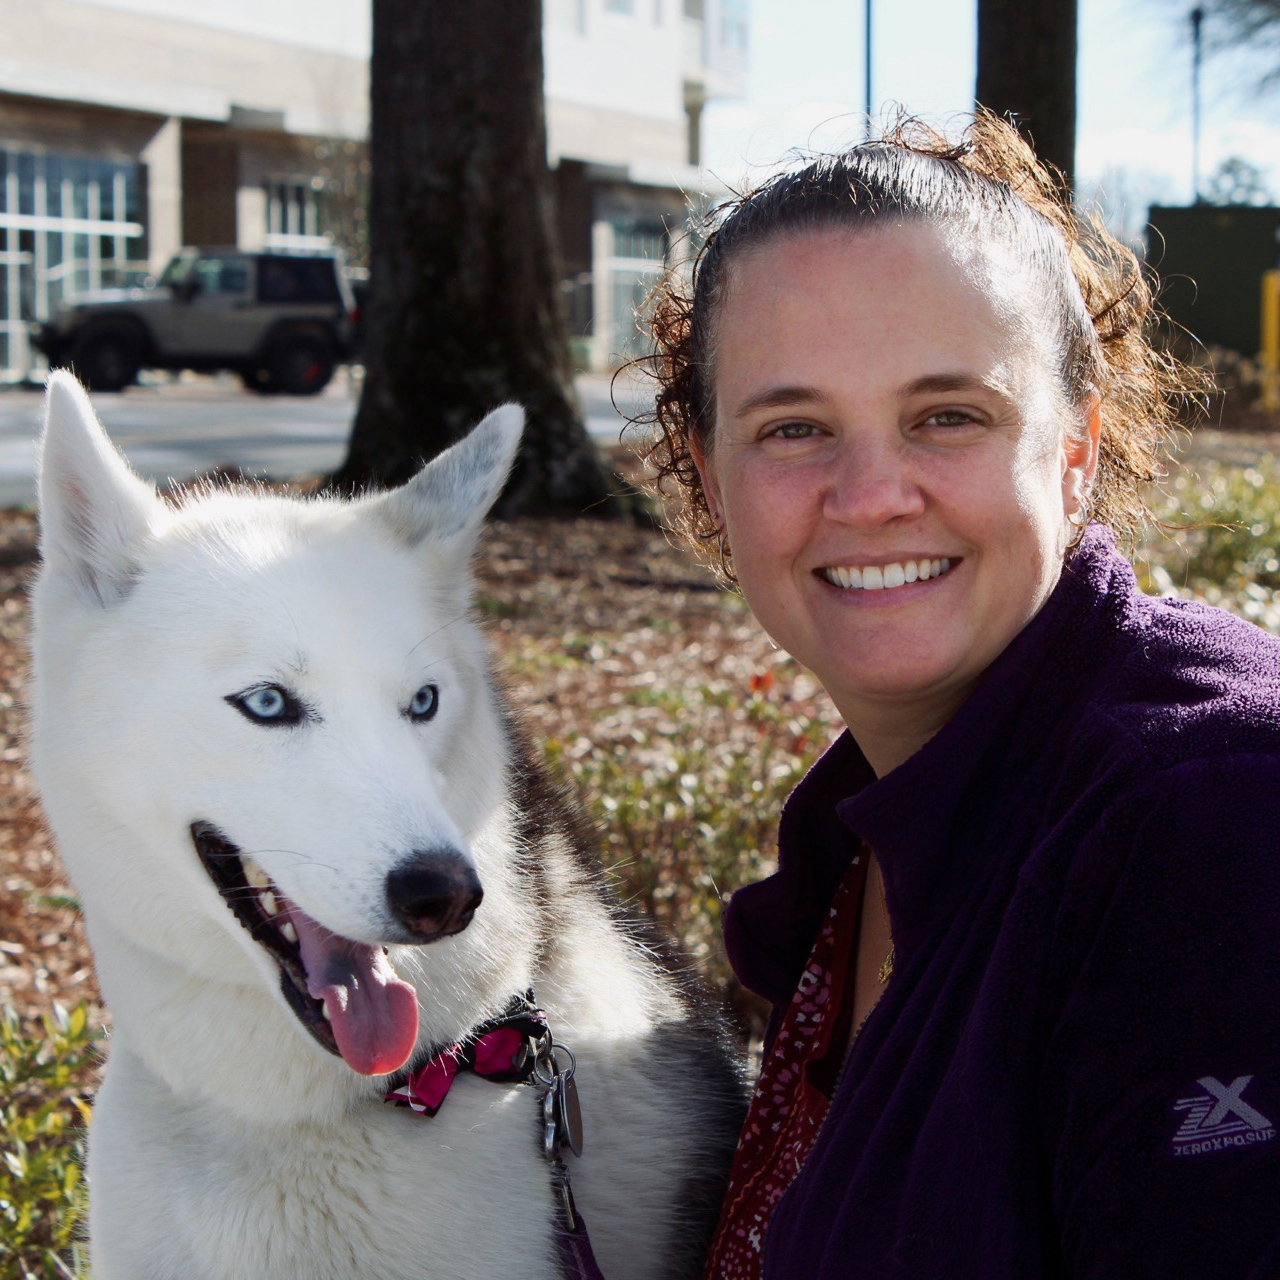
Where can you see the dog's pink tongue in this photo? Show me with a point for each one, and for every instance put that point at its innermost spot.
(373, 1010)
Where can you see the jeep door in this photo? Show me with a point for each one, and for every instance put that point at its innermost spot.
(214, 320)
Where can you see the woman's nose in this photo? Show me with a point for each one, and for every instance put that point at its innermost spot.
(871, 484)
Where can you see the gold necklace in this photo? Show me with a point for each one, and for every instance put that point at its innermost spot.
(886, 965)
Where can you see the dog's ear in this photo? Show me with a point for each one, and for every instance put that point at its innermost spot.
(447, 501)
(94, 511)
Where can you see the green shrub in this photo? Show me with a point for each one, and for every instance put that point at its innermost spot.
(689, 807)
(45, 1073)
(1225, 541)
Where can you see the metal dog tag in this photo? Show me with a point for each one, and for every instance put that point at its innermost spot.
(562, 1117)
(551, 1122)
(568, 1113)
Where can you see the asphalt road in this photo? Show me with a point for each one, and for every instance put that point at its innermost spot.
(172, 430)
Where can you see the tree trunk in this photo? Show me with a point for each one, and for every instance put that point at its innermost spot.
(1027, 69)
(465, 309)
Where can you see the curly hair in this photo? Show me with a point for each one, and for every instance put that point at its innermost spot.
(1097, 307)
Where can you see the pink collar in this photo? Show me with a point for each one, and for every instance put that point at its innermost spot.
(504, 1049)
(497, 1054)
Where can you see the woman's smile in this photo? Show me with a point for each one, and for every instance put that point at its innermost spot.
(885, 577)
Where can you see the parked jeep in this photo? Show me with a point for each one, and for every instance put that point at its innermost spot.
(281, 321)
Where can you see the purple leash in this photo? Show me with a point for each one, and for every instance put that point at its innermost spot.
(575, 1248)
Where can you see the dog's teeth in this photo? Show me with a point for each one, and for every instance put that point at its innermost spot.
(324, 1011)
(267, 900)
(289, 932)
(254, 874)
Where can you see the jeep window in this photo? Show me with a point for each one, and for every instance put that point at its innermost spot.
(283, 279)
(176, 272)
(222, 275)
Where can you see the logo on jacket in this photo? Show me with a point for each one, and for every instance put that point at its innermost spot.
(1219, 1118)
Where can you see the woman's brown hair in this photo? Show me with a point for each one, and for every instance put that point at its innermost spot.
(1094, 303)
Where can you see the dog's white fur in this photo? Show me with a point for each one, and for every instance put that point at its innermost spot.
(226, 1143)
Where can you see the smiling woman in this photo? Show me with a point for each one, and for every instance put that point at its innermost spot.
(1023, 945)
(874, 409)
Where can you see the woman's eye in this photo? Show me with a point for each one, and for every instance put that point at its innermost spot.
(950, 418)
(423, 704)
(793, 431)
(268, 704)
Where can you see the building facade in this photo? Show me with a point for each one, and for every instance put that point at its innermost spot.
(124, 136)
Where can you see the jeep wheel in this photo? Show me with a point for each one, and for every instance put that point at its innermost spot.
(108, 360)
(301, 364)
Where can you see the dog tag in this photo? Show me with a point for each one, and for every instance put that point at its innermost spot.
(568, 1114)
(551, 1121)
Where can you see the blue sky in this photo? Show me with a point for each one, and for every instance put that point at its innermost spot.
(806, 86)
(1134, 121)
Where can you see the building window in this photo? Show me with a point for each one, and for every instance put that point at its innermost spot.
(733, 24)
(638, 244)
(294, 214)
(68, 223)
(642, 237)
(620, 6)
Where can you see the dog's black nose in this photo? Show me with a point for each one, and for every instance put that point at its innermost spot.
(434, 894)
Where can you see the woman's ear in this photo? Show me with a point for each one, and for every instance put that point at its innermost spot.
(1080, 455)
(707, 474)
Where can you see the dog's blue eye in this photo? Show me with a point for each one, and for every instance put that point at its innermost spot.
(268, 704)
(423, 704)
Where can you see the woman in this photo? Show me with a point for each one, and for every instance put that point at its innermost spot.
(1023, 944)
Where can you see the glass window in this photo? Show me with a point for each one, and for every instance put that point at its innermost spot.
(222, 275)
(294, 214)
(620, 6)
(132, 196)
(107, 191)
(26, 183)
(640, 236)
(51, 260)
(733, 24)
(177, 270)
(77, 170)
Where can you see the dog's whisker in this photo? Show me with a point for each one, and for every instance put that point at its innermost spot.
(444, 626)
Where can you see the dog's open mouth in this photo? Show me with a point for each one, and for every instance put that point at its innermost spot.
(346, 994)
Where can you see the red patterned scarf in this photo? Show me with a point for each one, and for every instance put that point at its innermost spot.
(793, 1094)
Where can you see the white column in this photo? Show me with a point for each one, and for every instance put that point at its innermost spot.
(601, 296)
(163, 158)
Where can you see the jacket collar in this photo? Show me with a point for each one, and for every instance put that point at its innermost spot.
(919, 818)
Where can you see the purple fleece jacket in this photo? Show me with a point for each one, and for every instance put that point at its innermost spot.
(1075, 1068)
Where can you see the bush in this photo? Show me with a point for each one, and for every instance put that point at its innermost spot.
(45, 1074)
(689, 807)
(1226, 544)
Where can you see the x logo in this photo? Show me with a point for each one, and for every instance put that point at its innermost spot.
(1228, 1099)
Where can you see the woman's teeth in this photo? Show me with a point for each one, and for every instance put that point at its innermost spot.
(880, 577)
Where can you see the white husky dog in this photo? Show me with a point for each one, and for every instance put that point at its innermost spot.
(276, 768)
